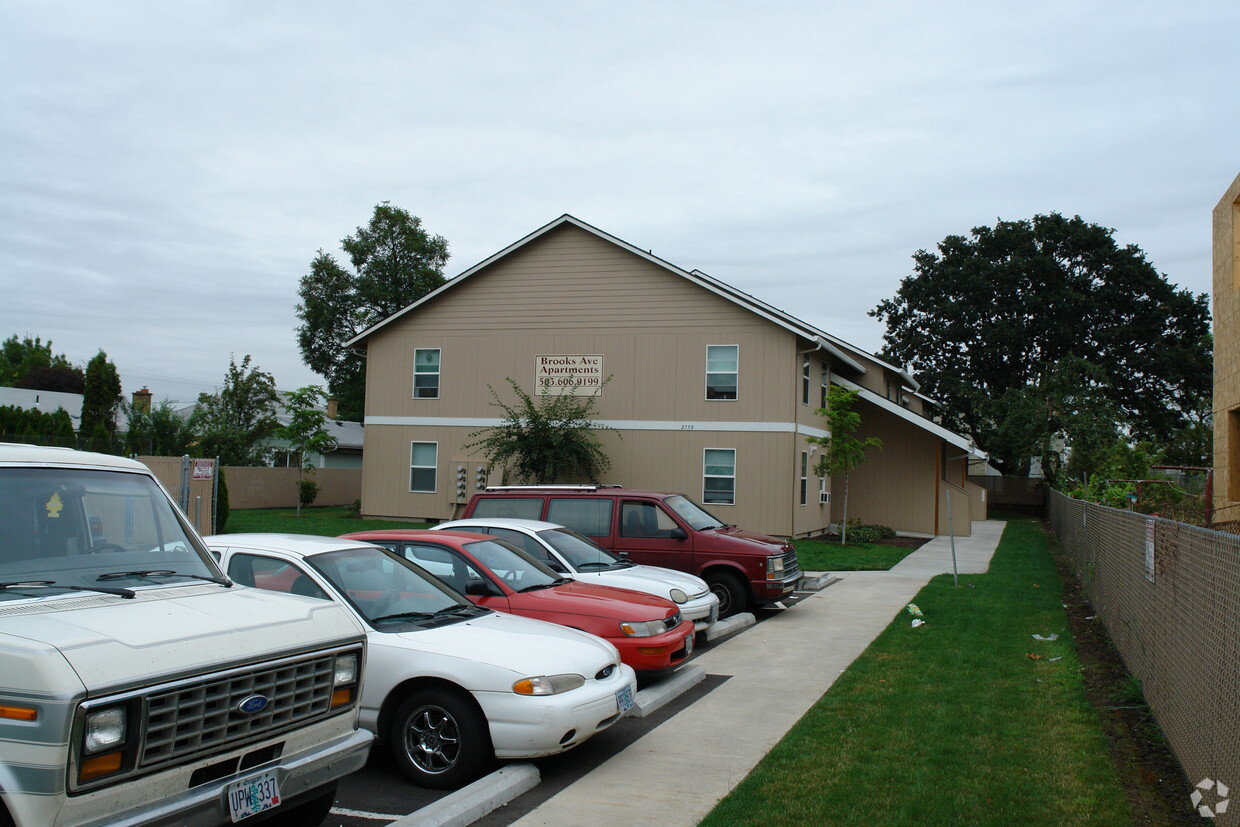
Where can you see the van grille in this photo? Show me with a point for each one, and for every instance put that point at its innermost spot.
(791, 567)
(204, 716)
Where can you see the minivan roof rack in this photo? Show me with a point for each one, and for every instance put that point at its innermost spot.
(589, 487)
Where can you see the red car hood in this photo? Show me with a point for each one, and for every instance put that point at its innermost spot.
(752, 536)
(578, 598)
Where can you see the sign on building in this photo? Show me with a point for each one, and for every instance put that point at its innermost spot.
(575, 375)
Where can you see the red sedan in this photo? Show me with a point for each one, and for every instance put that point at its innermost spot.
(648, 630)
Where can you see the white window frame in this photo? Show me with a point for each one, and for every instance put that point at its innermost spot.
(438, 374)
(705, 499)
(805, 478)
(435, 468)
(826, 383)
(804, 381)
(736, 373)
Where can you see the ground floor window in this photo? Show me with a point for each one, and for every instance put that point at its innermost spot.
(423, 462)
(804, 477)
(719, 477)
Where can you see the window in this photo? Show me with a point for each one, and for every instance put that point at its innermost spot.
(273, 575)
(804, 381)
(588, 516)
(719, 476)
(423, 459)
(804, 477)
(522, 507)
(426, 373)
(826, 383)
(722, 367)
(643, 519)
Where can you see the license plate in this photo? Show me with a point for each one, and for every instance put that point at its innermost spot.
(624, 698)
(253, 795)
(689, 644)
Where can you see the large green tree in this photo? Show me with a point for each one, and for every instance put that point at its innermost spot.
(395, 263)
(161, 431)
(235, 422)
(30, 363)
(992, 323)
(101, 401)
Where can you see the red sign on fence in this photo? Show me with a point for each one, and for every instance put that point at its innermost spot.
(204, 469)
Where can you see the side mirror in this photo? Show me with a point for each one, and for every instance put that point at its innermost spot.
(678, 534)
(482, 588)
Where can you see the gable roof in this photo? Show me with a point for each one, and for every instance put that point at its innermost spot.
(825, 341)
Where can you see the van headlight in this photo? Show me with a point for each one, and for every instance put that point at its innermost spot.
(104, 730)
(774, 567)
(548, 684)
(344, 679)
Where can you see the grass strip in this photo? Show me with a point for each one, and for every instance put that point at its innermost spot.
(819, 555)
(951, 722)
(328, 522)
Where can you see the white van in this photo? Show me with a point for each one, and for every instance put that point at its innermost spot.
(138, 685)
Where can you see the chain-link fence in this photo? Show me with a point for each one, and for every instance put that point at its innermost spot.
(1169, 594)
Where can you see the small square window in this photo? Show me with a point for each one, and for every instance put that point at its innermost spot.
(426, 373)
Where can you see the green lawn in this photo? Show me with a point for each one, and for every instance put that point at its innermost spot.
(819, 555)
(330, 522)
(951, 722)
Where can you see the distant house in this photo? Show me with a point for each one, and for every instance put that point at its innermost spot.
(1226, 233)
(44, 401)
(713, 391)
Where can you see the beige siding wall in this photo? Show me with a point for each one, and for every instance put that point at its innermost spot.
(1227, 355)
(895, 486)
(252, 487)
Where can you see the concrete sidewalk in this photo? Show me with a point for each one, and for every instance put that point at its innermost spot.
(678, 772)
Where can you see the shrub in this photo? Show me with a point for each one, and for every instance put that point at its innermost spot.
(221, 503)
(859, 532)
(307, 491)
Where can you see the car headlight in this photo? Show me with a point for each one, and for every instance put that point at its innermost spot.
(547, 684)
(774, 567)
(104, 730)
(344, 680)
(678, 596)
(639, 628)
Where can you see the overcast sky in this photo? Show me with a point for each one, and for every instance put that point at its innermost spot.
(168, 170)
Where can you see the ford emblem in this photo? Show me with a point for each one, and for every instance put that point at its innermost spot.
(252, 704)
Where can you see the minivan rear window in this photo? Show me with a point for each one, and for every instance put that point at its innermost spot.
(522, 508)
(585, 515)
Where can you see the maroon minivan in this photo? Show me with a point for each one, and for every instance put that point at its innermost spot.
(657, 528)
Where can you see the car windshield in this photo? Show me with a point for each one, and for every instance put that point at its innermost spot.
(515, 568)
(71, 529)
(580, 553)
(385, 587)
(698, 518)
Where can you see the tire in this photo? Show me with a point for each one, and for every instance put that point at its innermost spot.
(440, 739)
(732, 591)
(310, 813)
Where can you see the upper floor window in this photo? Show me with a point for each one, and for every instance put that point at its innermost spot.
(719, 476)
(804, 381)
(826, 383)
(426, 373)
(722, 368)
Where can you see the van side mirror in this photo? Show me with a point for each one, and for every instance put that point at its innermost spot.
(482, 588)
(678, 534)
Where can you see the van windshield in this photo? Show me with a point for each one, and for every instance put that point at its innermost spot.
(698, 518)
(71, 529)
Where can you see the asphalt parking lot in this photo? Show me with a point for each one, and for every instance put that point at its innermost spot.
(379, 794)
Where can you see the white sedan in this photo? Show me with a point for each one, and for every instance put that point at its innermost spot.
(449, 685)
(567, 552)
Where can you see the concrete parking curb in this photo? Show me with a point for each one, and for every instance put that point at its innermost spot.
(729, 626)
(468, 804)
(817, 582)
(654, 697)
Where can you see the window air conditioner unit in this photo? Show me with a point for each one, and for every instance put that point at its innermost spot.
(824, 497)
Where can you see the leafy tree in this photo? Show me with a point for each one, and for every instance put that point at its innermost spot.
(983, 323)
(101, 401)
(548, 440)
(306, 434)
(29, 363)
(161, 431)
(235, 422)
(19, 424)
(842, 450)
(395, 263)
